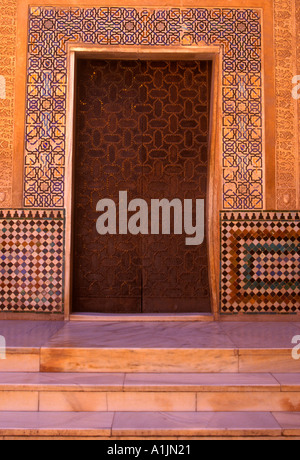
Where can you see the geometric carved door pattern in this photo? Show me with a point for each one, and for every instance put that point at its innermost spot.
(141, 127)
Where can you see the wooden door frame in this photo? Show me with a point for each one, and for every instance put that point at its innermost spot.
(199, 52)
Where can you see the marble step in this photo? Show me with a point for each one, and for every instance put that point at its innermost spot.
(149, 425)
(139, 347)
(84, 392)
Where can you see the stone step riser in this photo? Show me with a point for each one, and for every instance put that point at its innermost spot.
(150, 360)
(155, 401)
(167, 360)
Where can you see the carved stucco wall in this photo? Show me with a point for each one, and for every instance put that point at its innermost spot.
(287, 54)
(287, 158)
(7, 70)
(298, 73)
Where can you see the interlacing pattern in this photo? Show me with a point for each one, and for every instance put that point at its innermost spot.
(237, 31)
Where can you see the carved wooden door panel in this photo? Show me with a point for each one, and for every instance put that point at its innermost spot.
(141, 126)
(176, 95)
(106, 269)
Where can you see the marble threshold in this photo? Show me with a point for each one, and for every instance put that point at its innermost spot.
(145, 317)
(132, 335)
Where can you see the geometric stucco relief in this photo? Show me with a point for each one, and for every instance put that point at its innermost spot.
(236, 30)
(298, 108)
(286, 107)
(7, 72)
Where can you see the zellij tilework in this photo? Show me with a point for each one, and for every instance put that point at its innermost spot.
(260, 266)
(31, 260)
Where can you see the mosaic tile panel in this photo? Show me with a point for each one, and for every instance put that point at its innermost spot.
(31, 261)
(260, 267)
(237, 31)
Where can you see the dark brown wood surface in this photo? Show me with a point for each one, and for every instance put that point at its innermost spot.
(141, 127)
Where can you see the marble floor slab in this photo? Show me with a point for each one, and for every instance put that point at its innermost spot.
(289, 422)
(138, 425)
(164, 424)
(261, 335)
(288, 382)
(28, 334)
(183, 335)
(201, 382)
(56, 423)
(149, 382)
(175, 335)
(141, 335)
(38, 381)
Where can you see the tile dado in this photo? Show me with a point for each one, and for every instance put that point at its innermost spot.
(260, 261)
(260, 270)
(237, 30)
(31, 260)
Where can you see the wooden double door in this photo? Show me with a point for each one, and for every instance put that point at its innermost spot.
(141, 127)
